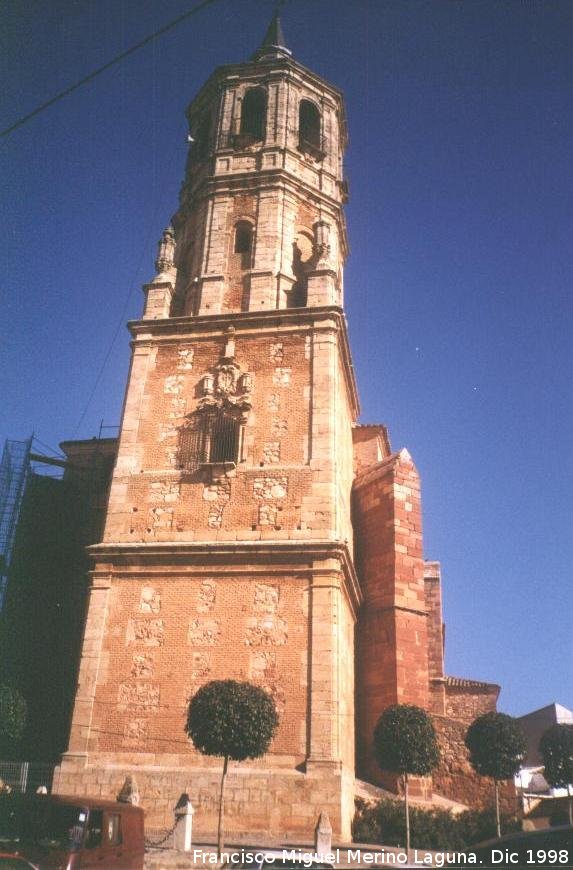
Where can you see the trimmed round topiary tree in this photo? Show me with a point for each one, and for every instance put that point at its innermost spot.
(405, 743)
(13, 716)
(496, 744)
(556, 748)
(233, 720)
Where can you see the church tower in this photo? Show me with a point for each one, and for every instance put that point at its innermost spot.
(228, 545)
(254, 530)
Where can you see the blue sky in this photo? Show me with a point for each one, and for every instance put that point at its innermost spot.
(458, 288)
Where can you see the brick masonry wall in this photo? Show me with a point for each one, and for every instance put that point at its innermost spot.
(167, 637)
(392, 654)
(154, 637)
(371, 446)
(153, 500)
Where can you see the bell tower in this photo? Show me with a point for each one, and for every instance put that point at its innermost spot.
(227, 550)
(260, 224)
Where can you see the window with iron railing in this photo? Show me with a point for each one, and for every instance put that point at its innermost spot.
(210, 437)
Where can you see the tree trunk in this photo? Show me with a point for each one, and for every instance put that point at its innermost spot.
(221, 809)
(570, 794)
(407, 807)
(497, 818)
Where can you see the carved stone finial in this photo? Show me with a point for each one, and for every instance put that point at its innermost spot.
(166, 250)
(321, 245)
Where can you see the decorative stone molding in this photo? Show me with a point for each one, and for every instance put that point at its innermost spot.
(263, 666)
(160, 518)
(178, 408)
(207, 595)
(276, 352)
(282, 376)
(321, 246)
(173, 384)
(204, 632)
(226, 385)
(273, 402)
(139, 696)
(136, 732)
(149, 600)
(279, 428)
(150, 632)
(268, 515)
(266, 598)
(166, 250)
(185, 357)
(270, 630)
(201, 667)
(142, 667)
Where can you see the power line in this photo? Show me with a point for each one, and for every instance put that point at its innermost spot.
(21, 121)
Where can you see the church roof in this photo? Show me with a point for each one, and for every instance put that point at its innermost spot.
(463, 683)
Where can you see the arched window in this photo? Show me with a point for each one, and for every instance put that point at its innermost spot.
(243, 237)
(309, 126)
(253, 113)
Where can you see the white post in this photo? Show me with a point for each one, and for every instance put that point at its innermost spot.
(183, 833)
(323, 835)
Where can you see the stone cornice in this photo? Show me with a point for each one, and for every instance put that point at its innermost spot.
(182, 328)
(260, 70)
(211, 183)
(304, 552)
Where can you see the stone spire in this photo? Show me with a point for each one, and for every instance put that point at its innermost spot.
(273, 45)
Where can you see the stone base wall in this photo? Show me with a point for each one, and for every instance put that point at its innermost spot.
(467, 699)
(456, 779)
(263, 802)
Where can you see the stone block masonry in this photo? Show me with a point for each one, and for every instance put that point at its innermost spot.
(392, 663)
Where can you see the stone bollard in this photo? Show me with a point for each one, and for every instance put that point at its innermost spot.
(183, 831)
(323, 835)
(129, 793)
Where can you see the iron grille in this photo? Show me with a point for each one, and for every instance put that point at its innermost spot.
(209, 437)
(224, 437)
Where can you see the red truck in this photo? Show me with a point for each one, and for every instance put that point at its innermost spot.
(55, 831)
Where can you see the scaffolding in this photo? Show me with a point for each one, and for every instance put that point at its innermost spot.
(14, 470)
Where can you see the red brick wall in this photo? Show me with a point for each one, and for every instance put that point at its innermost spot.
(159, 504)
(392, 651)
(168, 635)
(371, 446)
